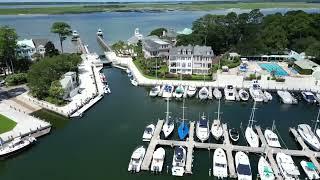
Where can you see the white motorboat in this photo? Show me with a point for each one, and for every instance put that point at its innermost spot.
(287, 167)
(251, 136)
(267, 95)
(318, 97)
(192, 90)
(216, 128)
(134, 82)
(136, 159)
(265, 170)
(220, 164)
(148, 132)
(161, 91)
(310, 169)
(244, 95)
(217, 93)
(99, 33)
(308, 136)
(286, 97)
(168, 125)
(158, 160)
(234, 135)
(128, 71)
(203, 93)
(179, 161)
(256, 92)
(309, 97)
(202, 129)
(185, 93)
(167, 91)
(272, 138)
(16, 145)
(210, 93)
(106, 89)
(179, 92)
(243, 166)
(75, 35)
(154, 91)
(229, 93)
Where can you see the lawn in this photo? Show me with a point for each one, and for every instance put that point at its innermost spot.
(6, 124)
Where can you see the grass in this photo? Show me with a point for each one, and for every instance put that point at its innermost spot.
(57, 120)
(6, 124)
(195, 6)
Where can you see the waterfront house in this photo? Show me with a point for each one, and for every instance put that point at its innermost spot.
(305, 66)
(69, 84)
(153, 47)
(191, 60)
(40, 46)
(171, 36)
(135, 38)
(26, 48)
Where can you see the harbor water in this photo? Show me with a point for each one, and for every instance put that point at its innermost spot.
(99, 145)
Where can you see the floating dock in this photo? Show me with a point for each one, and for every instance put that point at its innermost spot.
(190, 144)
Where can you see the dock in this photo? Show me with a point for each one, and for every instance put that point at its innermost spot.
(229, 148)
(103, 43)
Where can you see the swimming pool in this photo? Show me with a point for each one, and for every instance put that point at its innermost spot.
(270, 67)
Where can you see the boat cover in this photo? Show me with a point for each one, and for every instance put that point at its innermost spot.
(179, 153)
(267, 171)
(244, 169)
(203, 123)
(311, 166)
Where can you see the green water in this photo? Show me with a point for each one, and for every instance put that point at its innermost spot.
(99, 145)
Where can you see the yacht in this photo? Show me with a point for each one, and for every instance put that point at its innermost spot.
(286, 97)
(256, 92)
(16, 145)
(217, 93)
(251, 136)
(234, 134)
(203, 93)
(134, 82)
(191, 91)
(310, 169)
(168, 125)
(220, 164)
(265, 170)
(210, 93)
(136, 159)
(179, 92)
(155, 91)
(202, 129)
(167, 91)
(267, 95)
(287, 167)
(75, 35)
(309, 97)
(106, 89)
(308, 136)
(158, 160)
(243, 166)
(148, 132)
(99, 33)
(244, 95)
(179, 161)
(216, 128)
(229, 93)
(183, 129)
(272, 138)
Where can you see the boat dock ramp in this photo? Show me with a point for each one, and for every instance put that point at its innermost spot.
(264, 149)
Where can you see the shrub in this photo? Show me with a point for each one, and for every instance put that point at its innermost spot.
(187, 76)
(280, 80)
(55, 100)
(169, 75)
(16, 79)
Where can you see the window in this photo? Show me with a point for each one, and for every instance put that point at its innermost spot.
(183, 65)
(189, 64)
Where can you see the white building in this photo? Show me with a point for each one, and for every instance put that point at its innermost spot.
(191, 60)
(153, 47)
(135, 38)
(69, 85)
(26, 48)
(40, 45)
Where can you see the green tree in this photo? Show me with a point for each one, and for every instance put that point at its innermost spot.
(8, 46)
(63, 30)
(50, 50)
(158, 32)
(56, 89)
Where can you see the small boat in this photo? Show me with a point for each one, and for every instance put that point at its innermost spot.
(234, 134)
(267, 95)
(167, 91)
(244, 95)
(251, 137)
(203, 93)
(183, 129)
(217, 93)
(229, 93)
(75, 35)
(148, 132)
(128, 71)
(158, 160)
(179, 161)
(286, 97)
(265, 170)
(287, 167)
(272, 138)
(216, 128)
(16, 145)
(243, 166)
(308, 136)
(106, 89)
(168, 125)
(179, 92)
(210, 93)
(220, 164)
(99, 33)
(136, 159)
(185, 93)
(192, 90)
(134, 82)
(130, 74)
(310, 169)
(202, 129)
(256, 92)
(309, 97)
(161, 91)
(154, 91)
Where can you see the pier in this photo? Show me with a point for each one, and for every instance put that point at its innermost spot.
(228, 147)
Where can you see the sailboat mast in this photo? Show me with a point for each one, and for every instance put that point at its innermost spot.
(252, 115)
(219, 110)
(167, 113)
(273, 126)
(317, 121)
(183, 109)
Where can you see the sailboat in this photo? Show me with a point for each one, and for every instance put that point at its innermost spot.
(179, 92)
(202, 129)
(265, 170)
(251, 136)
(271, 137)
(203, 93)
(217, 93)
(168, 125)
(317, 131)
(220, 164)
(210, 93)
(192, 90)
(308, 136)
(216, 129)
(183, 129)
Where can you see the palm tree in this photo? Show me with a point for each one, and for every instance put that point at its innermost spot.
(63, 30)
